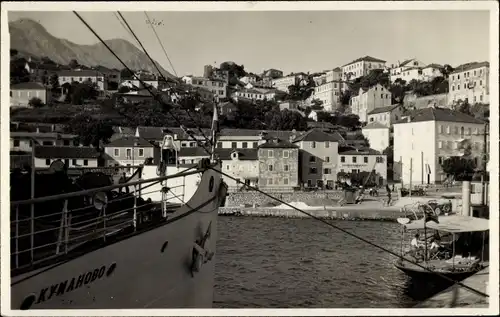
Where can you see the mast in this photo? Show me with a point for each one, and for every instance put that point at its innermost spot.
(215, 128)
(484, 171)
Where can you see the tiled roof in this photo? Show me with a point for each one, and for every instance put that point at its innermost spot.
(405, 62)
(275, 143)
(439, 114)
(193, 151)
(69, 152)
(243, 154)
(353, 151)
(319, 136)
(469, 66)
(129, 141)
(79, 73)
(248, 132)
(433, 66)
(322, 125)
(365, 59)
(337, 69)
(44, 135)
(374, 125)
(383, 109)
(28, 86)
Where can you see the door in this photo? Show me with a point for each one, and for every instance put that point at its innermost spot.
(329, 184)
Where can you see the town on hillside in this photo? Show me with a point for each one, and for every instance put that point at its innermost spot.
(360, 118)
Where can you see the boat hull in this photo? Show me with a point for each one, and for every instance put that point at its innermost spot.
(422, 275)
(151, 269)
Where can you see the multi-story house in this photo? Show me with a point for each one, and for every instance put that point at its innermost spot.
(111, 74)
(378, 135)
(385, 115)
(21, 141)
(128, 151)
(330, 94)
(407, 70)
(22, 93)
(256, 94)
(361, 67)
(242, 164)
(431, 71)
(217, 86)
(249, 79)
(470, 82)
(283, 83)
(368, 99)
(250, 139)
(328, 76)
(278, 165)
(425, 73)
(72, 156)
(428, 136)
(353, 160)
(318, 157)
(82, 76)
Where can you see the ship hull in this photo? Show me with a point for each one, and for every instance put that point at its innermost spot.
(150, 269)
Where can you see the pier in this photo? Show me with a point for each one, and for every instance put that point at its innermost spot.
(459, 297)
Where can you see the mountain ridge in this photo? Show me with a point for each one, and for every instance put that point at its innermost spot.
(31, 37)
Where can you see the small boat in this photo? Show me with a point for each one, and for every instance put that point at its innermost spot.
(460, 254)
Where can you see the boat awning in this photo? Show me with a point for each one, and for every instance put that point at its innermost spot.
(453, 224)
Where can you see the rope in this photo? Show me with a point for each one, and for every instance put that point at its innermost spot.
(350, 233)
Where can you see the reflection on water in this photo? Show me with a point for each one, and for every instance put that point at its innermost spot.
(276, 262)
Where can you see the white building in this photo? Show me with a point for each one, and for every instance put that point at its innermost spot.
(352, 160)
(361, 67)
(217, 86)
(256, 94)
(378, 135)
(403, 70)
(128, 151)
(369, 99)
(21, 141)
(426, 73)
(329, 93)
(386, 115)
(72, 156)
(82, 76)
(424, 139)
(470, 82)
(283, 83)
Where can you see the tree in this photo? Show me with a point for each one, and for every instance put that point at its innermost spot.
(90, 131)
(36, 102)
(82, 91)
(465, 107)
(316, 105)
(73, 63)
(461, 168)
(46, 60)
(125, 73)
(54, 81)
(18, 72)
(446, 70)
(285, 120)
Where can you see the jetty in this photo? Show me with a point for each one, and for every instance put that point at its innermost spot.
(459, 297)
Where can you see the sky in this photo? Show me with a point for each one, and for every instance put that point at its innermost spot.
(291, 41)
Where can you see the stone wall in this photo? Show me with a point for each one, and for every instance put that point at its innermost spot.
(310, 198)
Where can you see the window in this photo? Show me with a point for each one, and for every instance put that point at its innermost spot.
(66, 162)
(462, 131)
(270, 168)
(327, 159)
(47, 143)
(85, 162)
(129, 153)
(354, 159)
(286, 154)
(309, 183)
(440, 129)
(480, 97)
(313, 170)
(286, 168)
(440, 160)
(73, 161)
(66, 142)
(47, 162)
(16, 143)
(219, 145)
(458, 87)
(227, 167)
(141, 152)
(342, 159)
(285, 181)
(327, 171)
(365, 159)
(379, 159)
(255, 145)
(440, 144)
(312, 159)
(269, 181)
(452, 87)
(313, 144)
(448, 130)
(116, 152)
(469, 131)
(382, 96)
(270, 153)
(327, 144)
(234, 145)
(480, 83)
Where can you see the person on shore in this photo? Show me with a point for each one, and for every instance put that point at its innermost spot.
(389, 196)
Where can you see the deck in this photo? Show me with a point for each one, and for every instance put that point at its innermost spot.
(464, 298)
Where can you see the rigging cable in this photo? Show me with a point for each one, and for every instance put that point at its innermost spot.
(129, 28)
(349, 233)
(140, 80)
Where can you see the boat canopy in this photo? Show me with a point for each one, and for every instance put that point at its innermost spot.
(453, 224)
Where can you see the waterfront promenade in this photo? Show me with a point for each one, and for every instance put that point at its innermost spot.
(459, 297)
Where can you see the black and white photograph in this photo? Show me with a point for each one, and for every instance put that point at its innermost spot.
(209, 158)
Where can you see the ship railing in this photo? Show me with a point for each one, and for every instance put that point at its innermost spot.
(47, 227)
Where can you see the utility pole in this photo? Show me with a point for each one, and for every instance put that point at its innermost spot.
(411, 174)
(485, 160)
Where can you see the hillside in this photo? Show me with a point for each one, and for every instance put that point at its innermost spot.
(32, 38)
